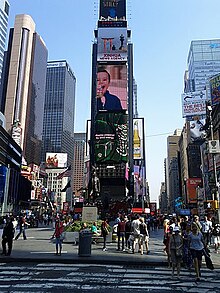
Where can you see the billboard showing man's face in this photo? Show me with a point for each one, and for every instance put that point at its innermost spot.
(111, 91)
(112, 44)
(111, 137)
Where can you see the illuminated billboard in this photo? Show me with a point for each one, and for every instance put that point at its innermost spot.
(111, 137)
(56, 160)
(111, 91)
(194, 103)
(112, 44)
(215, 89)
(112, 9)
(138, 141)
(192, 184)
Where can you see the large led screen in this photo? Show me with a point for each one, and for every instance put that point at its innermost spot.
(111, 137)
(112, 44)
(115, 9)
(111, 91)
(56, 160)
(215, 89)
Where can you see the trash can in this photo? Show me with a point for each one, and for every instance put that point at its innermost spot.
(85, 243)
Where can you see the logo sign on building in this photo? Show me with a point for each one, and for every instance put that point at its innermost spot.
(56, 160)
(138, 140)
(214, 147)
(194, 104)
(215, 89)
(112, 9)
(17, 133)
(111, 91)
(111, 137)
(112, 44)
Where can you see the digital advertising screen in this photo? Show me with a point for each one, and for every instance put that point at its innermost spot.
(111, 91)
(112, 44)
(109, 9)
(56, 160)
(111, 137)
(215, 89)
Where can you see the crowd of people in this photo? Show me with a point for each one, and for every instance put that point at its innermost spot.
(187, 240)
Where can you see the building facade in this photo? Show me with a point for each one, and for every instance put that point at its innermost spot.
(4, 13)
(59, 109)
(203, 62)
(78, 163)
(23, 87)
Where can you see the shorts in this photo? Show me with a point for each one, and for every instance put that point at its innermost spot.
(196, 254)
(216, 239)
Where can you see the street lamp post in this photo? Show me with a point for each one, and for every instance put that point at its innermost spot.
(216, 193)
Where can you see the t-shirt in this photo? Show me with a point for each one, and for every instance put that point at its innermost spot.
(196, 241)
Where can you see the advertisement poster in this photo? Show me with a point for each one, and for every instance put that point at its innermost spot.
(138, 138)
(192, 184)
(215, 89)
(194, 104)
(112, 9)
(111, 92)
(112, 44)
(111, 137)
(196, 130)
(56, 160)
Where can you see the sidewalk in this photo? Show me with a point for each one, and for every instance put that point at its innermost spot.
(39, 248)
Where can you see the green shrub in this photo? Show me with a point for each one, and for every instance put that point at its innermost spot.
(76, 226)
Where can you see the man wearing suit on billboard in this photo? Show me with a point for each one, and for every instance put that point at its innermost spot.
(105, 100)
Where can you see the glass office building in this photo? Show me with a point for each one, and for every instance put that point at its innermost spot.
(203, 62)
(59, 109)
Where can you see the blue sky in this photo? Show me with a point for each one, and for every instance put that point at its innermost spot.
(161, 33)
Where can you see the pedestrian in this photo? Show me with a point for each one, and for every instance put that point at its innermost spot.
(121, 233)
(144, 237)
(22, 224)
(206, 230)
(127, 232)
(216, 236)
(104, 231)
(135, 228)
(7, 237)
(196, 244)
(58, 234)
(175, 250)
(187, 257)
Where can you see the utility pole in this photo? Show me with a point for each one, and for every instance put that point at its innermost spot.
(216, 193)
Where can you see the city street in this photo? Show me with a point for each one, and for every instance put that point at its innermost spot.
(46, 277)
(33, 267)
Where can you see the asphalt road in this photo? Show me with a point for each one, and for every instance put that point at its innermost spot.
(47, 277)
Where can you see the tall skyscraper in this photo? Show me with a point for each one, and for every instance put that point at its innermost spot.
(4, 12)
(78, 163)
(23, 87)
(59, 109)
(203, 62)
